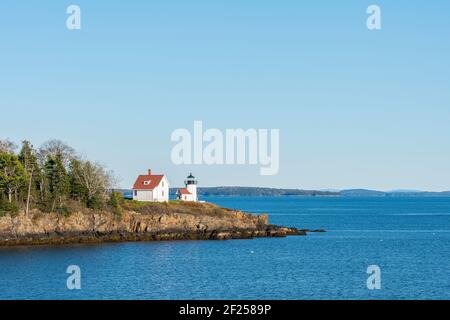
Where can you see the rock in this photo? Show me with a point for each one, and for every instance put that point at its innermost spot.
(318, 230)
(204, 222)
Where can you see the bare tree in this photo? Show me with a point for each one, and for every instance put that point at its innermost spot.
(94, 178)
(30, 182)
(52, 148)
(7, 146)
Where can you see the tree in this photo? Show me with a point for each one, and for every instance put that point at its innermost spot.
(77, 191)
(7, 146)
(116, 202)
(27, 156)
(95, 180)
(54, 147)
(50, 177)
(58, 181)
(12, 174)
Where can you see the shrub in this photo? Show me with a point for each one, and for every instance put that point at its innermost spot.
(7, 207)
(95, 203)
(116, 202)
(64, 210)
(115, 199)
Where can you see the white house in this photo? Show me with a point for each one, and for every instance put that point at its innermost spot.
(190, 192)
(151, 187)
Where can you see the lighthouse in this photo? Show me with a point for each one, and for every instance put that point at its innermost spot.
(191, 186)
(190, 192)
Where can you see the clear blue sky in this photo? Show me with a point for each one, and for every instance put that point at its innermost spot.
(356, 108)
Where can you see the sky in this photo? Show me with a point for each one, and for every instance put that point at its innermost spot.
(355, 108)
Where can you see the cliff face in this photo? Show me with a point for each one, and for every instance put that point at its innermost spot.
(149, 222)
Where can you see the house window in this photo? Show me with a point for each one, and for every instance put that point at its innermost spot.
(135, 193)
(163, 193)
(146, 183)
(163, 184)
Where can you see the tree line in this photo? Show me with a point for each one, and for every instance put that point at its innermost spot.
(51, 178)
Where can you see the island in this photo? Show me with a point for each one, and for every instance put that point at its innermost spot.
(139, 222)
(52, 195)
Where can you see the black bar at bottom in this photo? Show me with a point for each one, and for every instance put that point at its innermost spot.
(229, 309)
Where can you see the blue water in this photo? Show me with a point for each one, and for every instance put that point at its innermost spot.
(408, 238)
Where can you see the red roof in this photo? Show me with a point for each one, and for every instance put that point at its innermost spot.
(184, 191)
(148, 182)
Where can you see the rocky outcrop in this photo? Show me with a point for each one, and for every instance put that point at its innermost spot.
(205, 222)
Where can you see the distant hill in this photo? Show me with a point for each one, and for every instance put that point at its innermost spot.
(404, 191)
(394, 193)
(361, 193)
(256, 191)
(261, 192)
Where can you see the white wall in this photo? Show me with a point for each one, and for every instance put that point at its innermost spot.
(192, 188)
(187, 197)
(159, 194)
(143, 195)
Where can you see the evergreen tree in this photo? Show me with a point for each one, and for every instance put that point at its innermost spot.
(116, 202)
(77, 190)
(57, 180)
(26, 156)
(49, 178)
(12, 175)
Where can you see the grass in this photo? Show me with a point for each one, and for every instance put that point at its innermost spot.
(157, 208)
(175, 206)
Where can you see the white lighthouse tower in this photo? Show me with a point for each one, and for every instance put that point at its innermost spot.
(191, 186)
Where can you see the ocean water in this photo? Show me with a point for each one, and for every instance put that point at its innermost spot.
(408, 238)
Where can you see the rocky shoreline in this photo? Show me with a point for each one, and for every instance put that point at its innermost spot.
(149, 223)
(117, 236)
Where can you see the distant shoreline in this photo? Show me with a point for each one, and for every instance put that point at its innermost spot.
(273, 192)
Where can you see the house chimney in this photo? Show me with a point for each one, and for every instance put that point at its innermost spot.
(149, 172)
